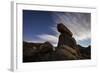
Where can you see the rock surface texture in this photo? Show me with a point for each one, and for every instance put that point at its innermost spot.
(67, 42)
(67, 49)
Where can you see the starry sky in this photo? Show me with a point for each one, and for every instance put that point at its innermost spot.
(41, 26)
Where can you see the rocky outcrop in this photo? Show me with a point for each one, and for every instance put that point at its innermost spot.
(85, 52)
(46, 47)
(30, 48)
(37, 51)
(63, 29)
(67, 49)
(66, 53)
(66, 39)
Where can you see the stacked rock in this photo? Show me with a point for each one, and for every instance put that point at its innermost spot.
(67, 42)
(67, 48)
(65, 37)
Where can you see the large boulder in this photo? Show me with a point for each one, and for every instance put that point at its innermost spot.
(63, 29)
(46, 47)
(66, 40)
(66, 53)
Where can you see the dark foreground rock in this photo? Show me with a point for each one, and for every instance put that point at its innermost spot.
(85, 52)
(36, 51)
(67, 49)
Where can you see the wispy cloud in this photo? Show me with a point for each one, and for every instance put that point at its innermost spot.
(46, 37)
(51, 38)
(78, 23)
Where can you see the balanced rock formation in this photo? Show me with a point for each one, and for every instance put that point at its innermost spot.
(67, 49)
(66, 39)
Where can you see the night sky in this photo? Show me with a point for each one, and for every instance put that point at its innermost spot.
(40, 26)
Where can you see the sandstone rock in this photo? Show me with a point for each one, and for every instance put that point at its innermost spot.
(67, 49)
(71, 50)
(66, 40)
(63, 29)
(34, 52)
(28, 49)
(85, 52)
(66, 53)
(46, 47)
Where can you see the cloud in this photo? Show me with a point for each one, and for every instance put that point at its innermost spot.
(46, 37)
(78, 23)
(51, 38)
